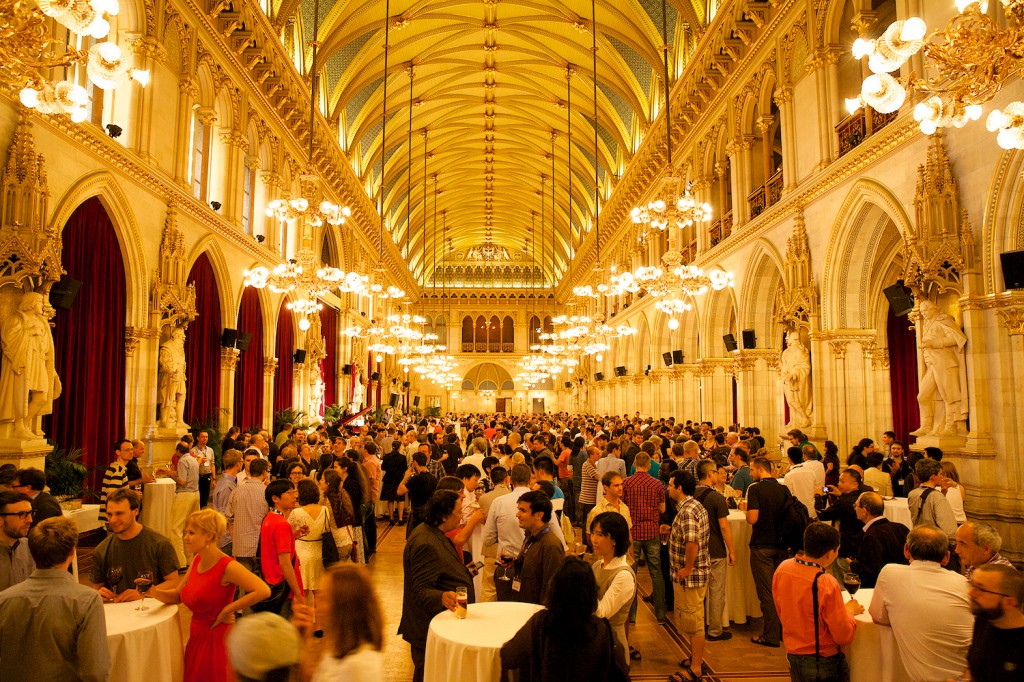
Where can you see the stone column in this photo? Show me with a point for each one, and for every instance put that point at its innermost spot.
(236, 147)
(141, 348)
(269, 376)
(188, 92)
(141, 131)
(228, 366)
(784, 101)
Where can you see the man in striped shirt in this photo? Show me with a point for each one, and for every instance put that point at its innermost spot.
(690, 564)
(116, 475)
(246, 509)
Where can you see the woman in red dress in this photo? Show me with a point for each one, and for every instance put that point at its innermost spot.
(208, 590)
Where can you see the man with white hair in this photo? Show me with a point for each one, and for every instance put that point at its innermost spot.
(978, 544)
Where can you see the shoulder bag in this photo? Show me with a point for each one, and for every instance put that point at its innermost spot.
(328, 547)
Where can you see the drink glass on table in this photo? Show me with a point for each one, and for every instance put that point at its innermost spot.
(461, 602)
(114, 575)
(143, 581)
(851, 581)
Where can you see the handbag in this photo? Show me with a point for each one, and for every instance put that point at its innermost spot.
(343, 551)
(329, 548)
(275, 602)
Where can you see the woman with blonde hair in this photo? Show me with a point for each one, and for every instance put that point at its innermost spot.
(208, 590)
(353, 627)
(954, 491)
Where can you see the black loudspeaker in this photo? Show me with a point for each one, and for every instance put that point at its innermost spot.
(63, 293)
(677, 357)
(244, 339)
(346, 369)
(599, 376)
(1013, 269)
(730, 342)
(620, 371)
(647, 371)
(300, 356)
(395, 397)
(667, 357)
(416, 401)
(749, 339)
(900, 298)
(375, 376)
(568, 384)
(228, 338)
(405, 384)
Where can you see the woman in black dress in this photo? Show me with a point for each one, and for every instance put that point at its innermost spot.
(394, 466)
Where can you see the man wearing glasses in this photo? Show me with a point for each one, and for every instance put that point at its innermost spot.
(16, 516)
(997, 647)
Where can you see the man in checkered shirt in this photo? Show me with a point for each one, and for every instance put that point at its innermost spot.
(645, 497)
(690, 563)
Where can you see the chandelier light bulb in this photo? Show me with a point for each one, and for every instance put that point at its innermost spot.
(853, 104)
(599, 357)
(379, 358)
(863, 48)
(914, 29)
(883, 93)
(141, 76)
(79, 114)
(99, 28)
(981, 6)
(304, 323)
(673, 323)
(973, 112)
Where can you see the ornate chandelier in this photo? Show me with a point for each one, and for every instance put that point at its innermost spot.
(678, 208)
(973, 58)
(26, 48)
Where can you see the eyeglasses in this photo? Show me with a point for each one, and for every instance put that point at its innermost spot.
(979, 588)
(21, 515)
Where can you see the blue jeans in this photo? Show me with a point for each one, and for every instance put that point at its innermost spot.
(804, 668)
(651, 550)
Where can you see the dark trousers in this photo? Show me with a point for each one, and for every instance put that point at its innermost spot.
(204, 489)
(811, 668)
(369, 531)
(585, 510)
(763, 562)
(666, 575)
(418, 655)
(569, 506)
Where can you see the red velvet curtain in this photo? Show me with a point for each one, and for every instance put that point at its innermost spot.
(202, 347)
(906, 416)
(329, 325)
(89, 340)
(284, 348)
(249, 374)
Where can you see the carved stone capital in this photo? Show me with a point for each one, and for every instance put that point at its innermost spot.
(880, 358)
(838, 347)
(270, 366)
(1013, 318)
(132, 337)
(229, 358)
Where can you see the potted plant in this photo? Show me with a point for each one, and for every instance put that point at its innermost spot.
(65, 474)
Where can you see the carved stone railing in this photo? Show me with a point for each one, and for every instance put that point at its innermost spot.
(721, 229)
(856, 127)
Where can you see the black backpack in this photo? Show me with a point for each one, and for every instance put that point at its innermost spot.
(792, 521)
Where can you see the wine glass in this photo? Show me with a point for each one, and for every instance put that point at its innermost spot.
(852, 583)
(505, 560)
(114, 575)
(143, 581)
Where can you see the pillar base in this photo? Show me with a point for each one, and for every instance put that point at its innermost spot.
(948, 444)
(25, 454)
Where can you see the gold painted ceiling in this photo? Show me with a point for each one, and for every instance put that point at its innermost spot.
(477, 100)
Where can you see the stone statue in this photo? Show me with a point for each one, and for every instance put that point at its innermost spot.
(942, 396)
(316, 392)
(172, 379)
(358, 393)
(795, 367)
(28, 381)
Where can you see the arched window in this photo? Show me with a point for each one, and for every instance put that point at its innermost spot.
(494, 335)
(480, 334)
(199, 167)
(534, 335)
(467, 334)
(441, 329)
(508, 335)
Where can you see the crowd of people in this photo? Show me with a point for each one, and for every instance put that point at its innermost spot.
(556, 510)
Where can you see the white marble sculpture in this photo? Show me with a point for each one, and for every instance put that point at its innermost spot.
(358, 394)
(316, 393)
(172, 379)
(28, 381)
(795, 368)
(942, 397)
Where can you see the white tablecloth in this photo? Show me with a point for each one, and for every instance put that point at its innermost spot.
(86, 519)
(740, 594)
(470, 648)
(873, 654)
(157, 501)
(898, 511)
(145, 646)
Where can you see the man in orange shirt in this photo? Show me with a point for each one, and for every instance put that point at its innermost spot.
(814, 658)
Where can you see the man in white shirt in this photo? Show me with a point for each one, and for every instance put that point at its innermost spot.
(800, 480)
(207, 468)
(611, 461)
(812, 461)
(477, 458)
(927, 607)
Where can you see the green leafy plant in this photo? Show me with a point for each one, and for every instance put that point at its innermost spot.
(434, 411)
(378, 415)
(332, 414)
(289, 415)
(65, 473)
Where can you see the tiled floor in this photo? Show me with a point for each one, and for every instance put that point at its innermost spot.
(661, 646)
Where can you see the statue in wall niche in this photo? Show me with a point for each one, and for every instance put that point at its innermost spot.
(358, 391)
(795, 367)
(28, 381)
(942, 396)
(172, 379)
(316, 392)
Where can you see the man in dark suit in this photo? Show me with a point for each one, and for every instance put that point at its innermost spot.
(433, 571)
(883, 539)
(44, 505)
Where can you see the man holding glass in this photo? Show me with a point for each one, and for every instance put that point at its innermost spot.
(131, 549)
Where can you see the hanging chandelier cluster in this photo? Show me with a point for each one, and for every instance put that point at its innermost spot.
(973, 57)
(678, 208)
(290, 210)
(26, 47)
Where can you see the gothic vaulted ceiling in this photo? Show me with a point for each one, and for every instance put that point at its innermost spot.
(479, 95)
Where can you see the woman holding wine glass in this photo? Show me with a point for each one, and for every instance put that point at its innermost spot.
(208, 590)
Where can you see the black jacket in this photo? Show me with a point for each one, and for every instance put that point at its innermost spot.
(851, 529)
(882, 544)
(431, 568)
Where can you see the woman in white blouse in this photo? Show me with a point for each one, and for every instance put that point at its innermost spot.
(954, 491)
(353, 627)
(616, 582)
